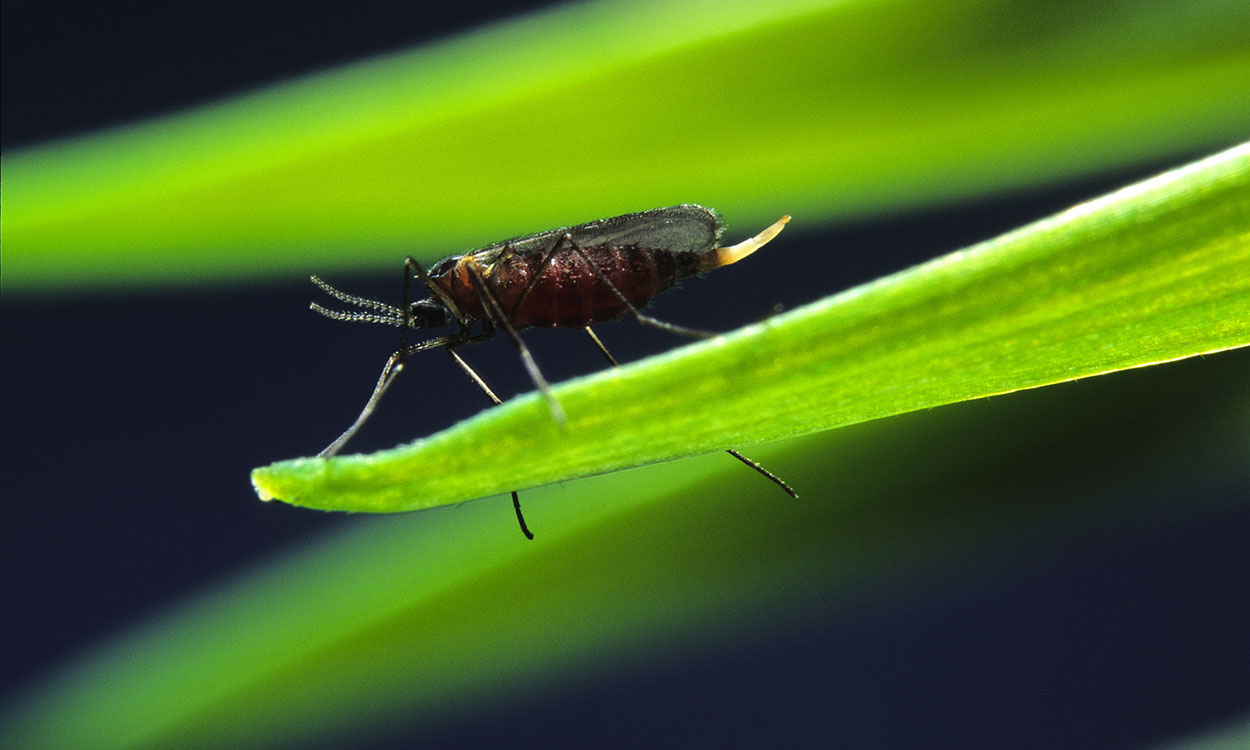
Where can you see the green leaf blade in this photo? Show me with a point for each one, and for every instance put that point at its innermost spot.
(1150, 273)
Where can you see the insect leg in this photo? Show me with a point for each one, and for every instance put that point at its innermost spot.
(639, 316)
(516, 501)
(394, 365)
(495, 310)
(602, 349)
(754, 465)
(765, 473)
(390, 371)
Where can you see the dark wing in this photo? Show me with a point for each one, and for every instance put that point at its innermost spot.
(678, 228)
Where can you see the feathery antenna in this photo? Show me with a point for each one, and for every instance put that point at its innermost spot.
(385, 315)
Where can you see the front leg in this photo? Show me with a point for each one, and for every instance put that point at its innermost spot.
(391, 370)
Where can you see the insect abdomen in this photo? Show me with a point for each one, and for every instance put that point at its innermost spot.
(570, 294)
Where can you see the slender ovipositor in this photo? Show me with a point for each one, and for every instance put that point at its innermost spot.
(572, 277)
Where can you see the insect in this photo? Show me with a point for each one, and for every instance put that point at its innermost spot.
(570, 277)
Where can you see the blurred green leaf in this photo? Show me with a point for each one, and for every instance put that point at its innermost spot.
(821, 109)
(1233, 736)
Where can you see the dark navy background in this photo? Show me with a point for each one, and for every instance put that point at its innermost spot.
(110, 403)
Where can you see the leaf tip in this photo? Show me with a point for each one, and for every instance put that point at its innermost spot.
(262, 485)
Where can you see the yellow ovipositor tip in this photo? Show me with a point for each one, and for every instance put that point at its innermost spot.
(723, 256)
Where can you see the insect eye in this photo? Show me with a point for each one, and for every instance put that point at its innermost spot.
(429, 313)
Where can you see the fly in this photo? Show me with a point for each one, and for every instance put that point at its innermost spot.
(570, 277)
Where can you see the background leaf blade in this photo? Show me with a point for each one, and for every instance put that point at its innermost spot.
(622, 107)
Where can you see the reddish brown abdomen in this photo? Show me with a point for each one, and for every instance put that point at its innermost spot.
(569, 293)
